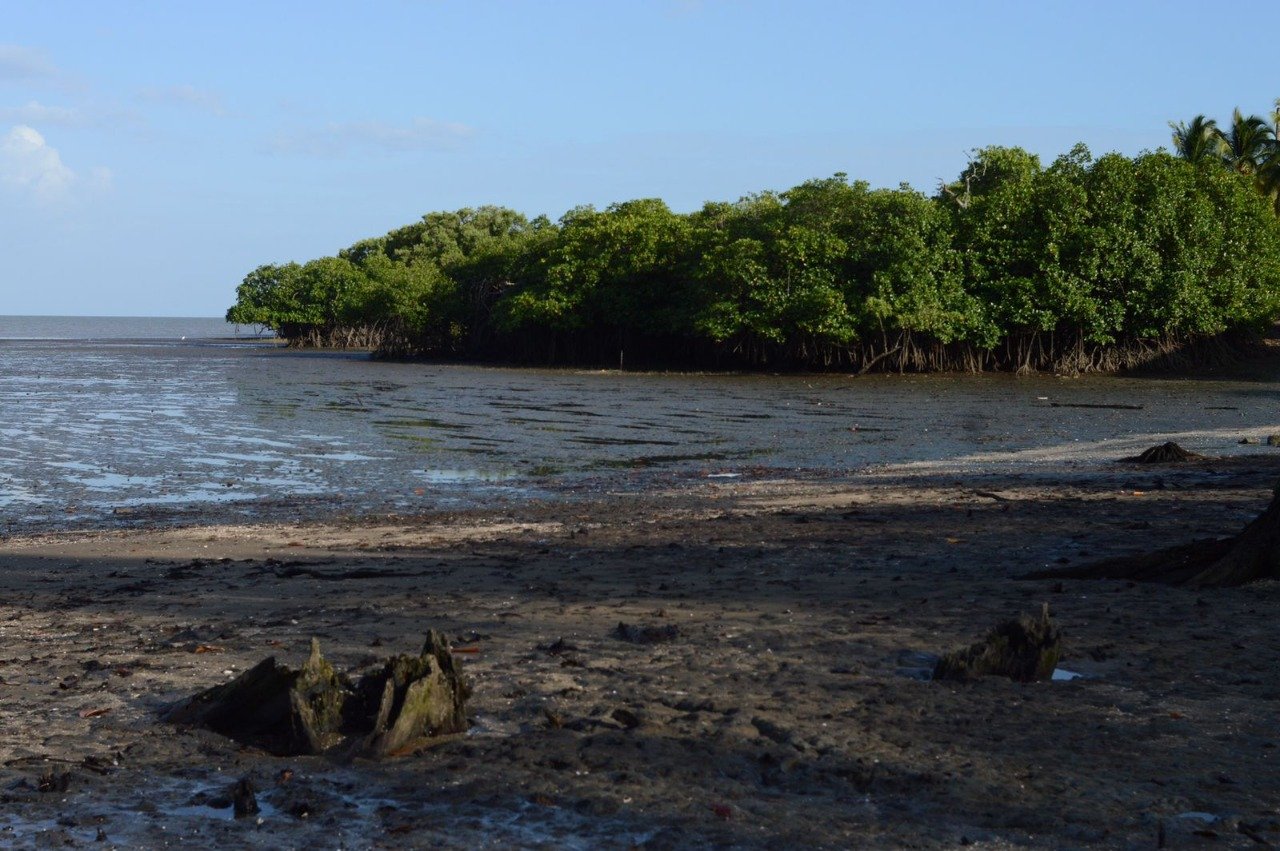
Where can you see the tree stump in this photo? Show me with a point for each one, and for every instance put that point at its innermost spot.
(1214, 563)
(413, 699)
(1165, 453)
(313, 710)
(273, 707)
(1023, 649)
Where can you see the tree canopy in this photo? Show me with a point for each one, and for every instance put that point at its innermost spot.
(1083, 263)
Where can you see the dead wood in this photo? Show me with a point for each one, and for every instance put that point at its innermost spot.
(1252, 555)
(408, 702)
(1165, 453)
(1023, 649)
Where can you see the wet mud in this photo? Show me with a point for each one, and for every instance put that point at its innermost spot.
(695, 611)
(111, 433)
(727, 663)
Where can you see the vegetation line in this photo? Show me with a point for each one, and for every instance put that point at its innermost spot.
(1084, 265)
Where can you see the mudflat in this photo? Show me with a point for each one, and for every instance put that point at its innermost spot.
(769, 685)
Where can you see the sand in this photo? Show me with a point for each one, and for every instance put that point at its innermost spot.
(786, 704)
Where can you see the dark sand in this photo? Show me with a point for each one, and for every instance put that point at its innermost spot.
(789, 710)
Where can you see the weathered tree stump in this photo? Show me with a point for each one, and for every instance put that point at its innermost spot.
(413, 699)
(1023, 649)
(1217, 562)
(1165, 453)
(313, 710)
(273, 707)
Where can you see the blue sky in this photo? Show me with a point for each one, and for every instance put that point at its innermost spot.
(153, 153)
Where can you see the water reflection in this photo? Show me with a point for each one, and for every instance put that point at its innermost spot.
(91, 427)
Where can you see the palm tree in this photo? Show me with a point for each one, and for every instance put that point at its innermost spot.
(1197, 141)
(1269, 172)
(1269, 176)
(1248, 143)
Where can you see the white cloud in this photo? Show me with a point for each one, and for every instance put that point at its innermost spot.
(23, 63)
(204, 99)
(38, 113)
(30, 166)
(421, 134)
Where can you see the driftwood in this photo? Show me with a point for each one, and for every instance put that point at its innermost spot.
(1023, 649)
(410, 701)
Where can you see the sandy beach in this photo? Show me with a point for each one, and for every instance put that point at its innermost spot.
(785, 702)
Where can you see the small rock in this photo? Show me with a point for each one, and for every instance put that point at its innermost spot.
(52, 781)
(557, 647)
(772, 731)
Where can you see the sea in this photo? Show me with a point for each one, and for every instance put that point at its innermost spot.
(116, 422)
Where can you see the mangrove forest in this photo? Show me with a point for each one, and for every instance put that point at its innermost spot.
(1084, 264)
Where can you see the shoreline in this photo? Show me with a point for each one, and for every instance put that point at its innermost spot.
(788, 708)
(1241, 360)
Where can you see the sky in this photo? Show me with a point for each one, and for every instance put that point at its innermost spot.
(153, 153)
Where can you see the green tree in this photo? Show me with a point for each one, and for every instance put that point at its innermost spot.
(1196, 141)
(269, 296)
(1248, 142)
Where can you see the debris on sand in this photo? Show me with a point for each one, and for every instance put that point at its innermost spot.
(1024, 649)
(646, 633)
(409, 702)
(1166, 453)
(54, 781)
(244, 801)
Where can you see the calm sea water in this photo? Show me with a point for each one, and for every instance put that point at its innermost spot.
(83, 328)
(127, 421)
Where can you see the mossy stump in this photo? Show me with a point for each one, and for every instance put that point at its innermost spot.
(413, 699)
(408, 702)
(1023, 649)
(273, 707)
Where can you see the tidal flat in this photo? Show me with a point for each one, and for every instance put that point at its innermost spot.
(789, 555)
(784, 698)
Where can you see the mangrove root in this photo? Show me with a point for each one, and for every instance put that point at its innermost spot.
(410, 701)
(1024, 649)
